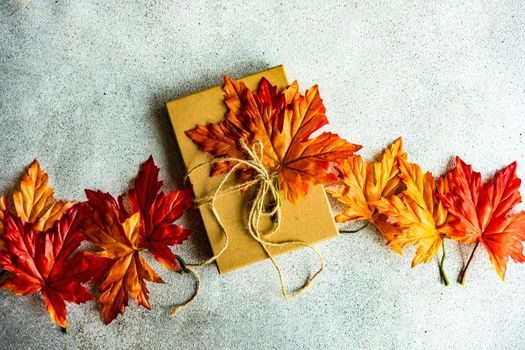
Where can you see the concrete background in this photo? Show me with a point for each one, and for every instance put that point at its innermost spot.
(82, 88)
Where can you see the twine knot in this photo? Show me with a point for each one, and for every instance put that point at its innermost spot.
(268, 191)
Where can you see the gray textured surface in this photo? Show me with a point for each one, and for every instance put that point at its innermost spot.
(82, 87)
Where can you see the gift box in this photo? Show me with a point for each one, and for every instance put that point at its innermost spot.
(310, 220)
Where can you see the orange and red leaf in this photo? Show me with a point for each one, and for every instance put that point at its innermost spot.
(283, 122)
(481, 213)
(122, 231)
(118, 241)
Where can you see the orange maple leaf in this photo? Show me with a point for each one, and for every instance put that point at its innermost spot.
(118, 241)
(34, 202)
(362, 183)
(416, 212)
(481, 214)
(283, 122)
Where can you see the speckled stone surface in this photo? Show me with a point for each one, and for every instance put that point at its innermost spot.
(83, 86)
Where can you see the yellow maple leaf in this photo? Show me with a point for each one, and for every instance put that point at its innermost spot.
(365, 182)
(417, 213)
(34, 202)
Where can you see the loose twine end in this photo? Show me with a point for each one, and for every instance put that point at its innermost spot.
(267, 190)
(196, 277)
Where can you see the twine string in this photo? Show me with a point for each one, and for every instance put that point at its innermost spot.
(267, 191)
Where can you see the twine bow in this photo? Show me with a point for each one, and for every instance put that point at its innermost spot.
(267, 191)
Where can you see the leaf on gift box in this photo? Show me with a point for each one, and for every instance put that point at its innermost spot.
(283, 122)
(34, 202)
(416, 213)
(481, 213)
(44, 261)
(362, 183)
(158, 211)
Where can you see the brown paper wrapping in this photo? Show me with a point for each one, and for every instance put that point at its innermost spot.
(309, 221)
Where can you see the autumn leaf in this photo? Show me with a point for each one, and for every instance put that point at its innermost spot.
(118, 241)
(515, 227)
(158, 211)
(34, 202)
(417, 213)
(283, 122)
(45, 262)
(362, 183)
(481, 212)
(3, 209)
(141, 220)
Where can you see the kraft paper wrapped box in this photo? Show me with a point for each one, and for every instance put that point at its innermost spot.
(310, 220)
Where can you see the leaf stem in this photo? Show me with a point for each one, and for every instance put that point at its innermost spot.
(442, 264)
(65, 329)
(182, 263)
(463, 274)
(354, 231)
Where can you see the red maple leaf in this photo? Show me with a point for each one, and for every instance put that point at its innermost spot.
(480, 212)
(44, 261)
(158, 211)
